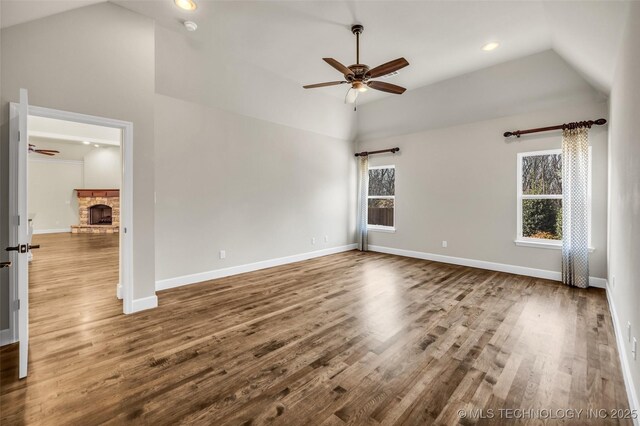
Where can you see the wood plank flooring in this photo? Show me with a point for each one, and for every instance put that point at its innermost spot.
(351, 338)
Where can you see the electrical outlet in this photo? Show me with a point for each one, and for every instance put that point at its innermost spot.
(326, 238)
(634, 348)
(444, 244)
(628, 331)
(313, 240)
(223, 254)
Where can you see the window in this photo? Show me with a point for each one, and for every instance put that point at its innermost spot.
(540, 198)
(382, 199)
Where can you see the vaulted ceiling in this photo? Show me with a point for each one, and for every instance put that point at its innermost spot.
(441, 39)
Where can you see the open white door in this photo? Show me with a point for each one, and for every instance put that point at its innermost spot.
(19, 222)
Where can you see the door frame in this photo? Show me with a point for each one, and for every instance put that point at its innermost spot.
(124, 289)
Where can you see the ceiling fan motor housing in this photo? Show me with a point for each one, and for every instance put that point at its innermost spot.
(359, 71)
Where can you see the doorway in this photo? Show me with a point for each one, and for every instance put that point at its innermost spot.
(101, 144)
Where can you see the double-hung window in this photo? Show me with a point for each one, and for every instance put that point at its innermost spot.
(540, 198)
(382, 198)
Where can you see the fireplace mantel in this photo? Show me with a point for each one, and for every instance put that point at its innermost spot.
(85, 192)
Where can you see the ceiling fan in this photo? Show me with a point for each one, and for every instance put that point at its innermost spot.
(359, 75)
(32, 148)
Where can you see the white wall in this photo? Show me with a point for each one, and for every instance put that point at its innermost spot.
(53, 203)
(624, 201)
(458, 184)
(256, 189)
(103, 168)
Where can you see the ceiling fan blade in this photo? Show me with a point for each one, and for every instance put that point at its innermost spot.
(39, 151)
(386, 87)
(48, 150)
(337, 65)
(329, 83)
(387, 68)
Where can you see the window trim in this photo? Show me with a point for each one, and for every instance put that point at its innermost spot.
(381, 228)
(540, 242)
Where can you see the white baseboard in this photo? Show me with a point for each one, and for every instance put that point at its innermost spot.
(634, 404)
(492, 266)
(6, 337)
(241, 269)
(597, 282)
(144, 303)
(51, 231)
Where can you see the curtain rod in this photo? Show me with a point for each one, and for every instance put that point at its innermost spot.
(575, 124)
(367, 153)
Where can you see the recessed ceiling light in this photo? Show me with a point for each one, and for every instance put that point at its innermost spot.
(186, 4)
(86, 142)
(97, 146)
(190, 25)
(490, 46)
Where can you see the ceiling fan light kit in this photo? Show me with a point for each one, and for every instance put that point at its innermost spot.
(359, 76)
(188, 5)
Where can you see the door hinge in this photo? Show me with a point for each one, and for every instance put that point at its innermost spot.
(18, 220)
(17, 305)
(19, 139)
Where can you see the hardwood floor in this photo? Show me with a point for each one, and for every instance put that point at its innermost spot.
(351, 338)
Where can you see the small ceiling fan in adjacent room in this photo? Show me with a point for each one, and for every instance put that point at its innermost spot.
(359, 75)
(50, 152)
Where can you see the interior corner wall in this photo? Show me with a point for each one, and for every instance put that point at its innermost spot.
(624, 200)
(458, 184)
(96, 60)
(256, 189)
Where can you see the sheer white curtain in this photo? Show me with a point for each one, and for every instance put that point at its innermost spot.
(363, 202)
(575, 222)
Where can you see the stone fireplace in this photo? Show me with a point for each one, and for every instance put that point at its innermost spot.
(99, 211)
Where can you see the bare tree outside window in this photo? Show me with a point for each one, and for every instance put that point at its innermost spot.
(382, 181)
(542, 196)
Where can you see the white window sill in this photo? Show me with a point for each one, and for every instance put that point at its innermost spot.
(381, 229)
(543, 244)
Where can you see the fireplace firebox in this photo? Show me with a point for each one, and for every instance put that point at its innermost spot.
(100, 214)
